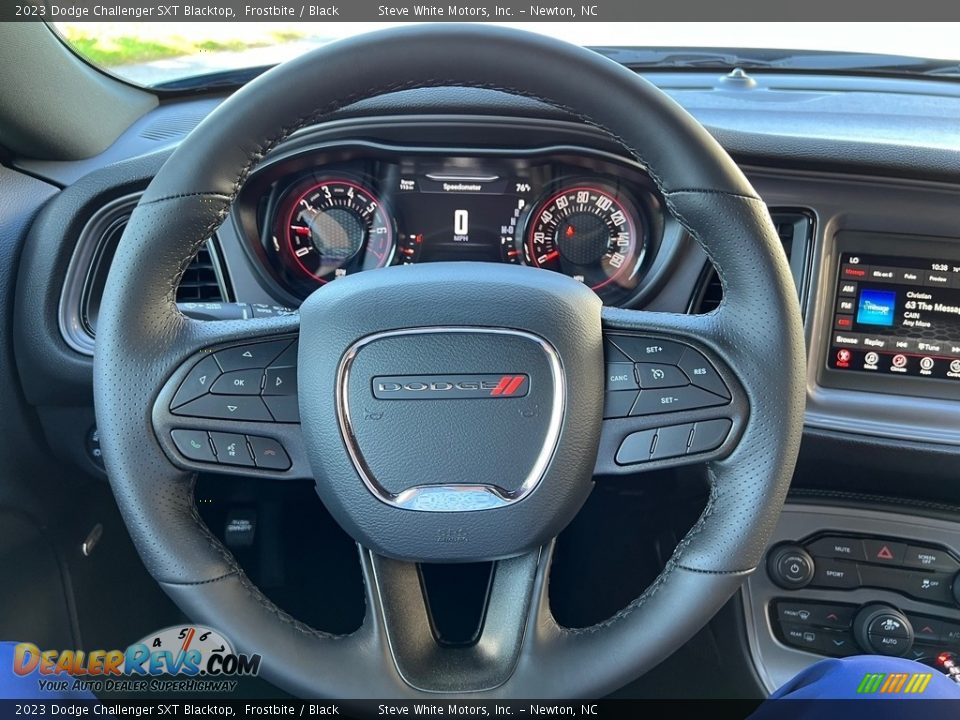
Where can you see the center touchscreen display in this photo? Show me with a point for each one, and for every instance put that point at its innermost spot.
(897, 316)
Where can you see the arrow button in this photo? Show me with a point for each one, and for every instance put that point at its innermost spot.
(226, 407)
(280, 381)
(250, 357)
(197, 381)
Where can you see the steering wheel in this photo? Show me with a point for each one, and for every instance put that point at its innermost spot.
(498, 474)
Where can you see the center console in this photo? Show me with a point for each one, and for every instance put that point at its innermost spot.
(842, 581)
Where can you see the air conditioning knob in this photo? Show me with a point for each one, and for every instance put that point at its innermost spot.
(883, 630)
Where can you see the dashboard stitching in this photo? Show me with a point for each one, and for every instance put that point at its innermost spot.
(207, 193)
(721, 274)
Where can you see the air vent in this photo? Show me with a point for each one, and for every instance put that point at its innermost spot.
(795, 229)
(173, 126)
(203, 281)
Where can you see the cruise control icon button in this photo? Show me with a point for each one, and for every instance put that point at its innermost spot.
(656, 375)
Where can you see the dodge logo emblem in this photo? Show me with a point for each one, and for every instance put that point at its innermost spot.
(453, 387)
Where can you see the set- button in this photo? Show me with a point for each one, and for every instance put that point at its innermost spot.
(256, 382)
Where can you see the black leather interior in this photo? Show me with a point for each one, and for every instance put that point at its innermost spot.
(142, 337)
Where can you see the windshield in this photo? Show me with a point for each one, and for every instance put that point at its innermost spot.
(158, 53)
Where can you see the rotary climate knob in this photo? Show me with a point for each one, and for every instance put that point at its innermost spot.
(883, 630)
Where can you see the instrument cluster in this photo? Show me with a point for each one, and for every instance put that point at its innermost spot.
(328, 212)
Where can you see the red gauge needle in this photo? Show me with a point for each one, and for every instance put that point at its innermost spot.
(549, 256)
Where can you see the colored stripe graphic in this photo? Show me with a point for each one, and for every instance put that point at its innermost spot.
(894, 683)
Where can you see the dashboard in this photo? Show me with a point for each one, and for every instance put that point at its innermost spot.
(319, 214)
(871, 234)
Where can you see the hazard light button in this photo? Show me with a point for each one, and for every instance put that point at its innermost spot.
(884, 552)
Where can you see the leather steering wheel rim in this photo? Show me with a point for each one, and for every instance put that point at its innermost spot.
(756, 331)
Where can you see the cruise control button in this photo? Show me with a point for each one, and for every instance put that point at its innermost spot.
(926, 558)
(658, 375)
(231, 449)
(284, 408)
(618, 404)
(651, 402)
(837, 547)
(709, 435)
(836, 574)
(671, 441)
(884, 551)
(238, 382)
(702, 374)
(268, 453)
(635, 448)
(226, 407)
(198, 382)
(193, 444)
(649, 350)
(249, 357)
(280, 381)
(620, 377)
(613, 354)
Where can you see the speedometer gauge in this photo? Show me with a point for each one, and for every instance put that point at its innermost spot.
(334, 227)
(590, 232)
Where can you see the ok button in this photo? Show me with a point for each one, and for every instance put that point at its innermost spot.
(238, 382)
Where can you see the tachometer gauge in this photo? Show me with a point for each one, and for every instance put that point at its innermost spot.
(332, 227)
(590, 232)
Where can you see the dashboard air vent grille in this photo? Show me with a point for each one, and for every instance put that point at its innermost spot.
(201, 281)
(795, 229)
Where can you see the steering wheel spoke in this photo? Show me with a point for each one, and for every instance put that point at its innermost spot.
(669, 398)
(399, 601)
(232, 406)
